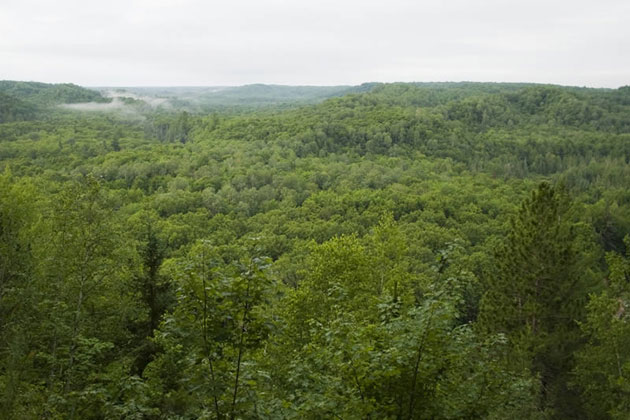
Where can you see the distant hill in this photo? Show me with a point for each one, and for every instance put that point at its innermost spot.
(47, 94)
(26, 100)
(273, 94)
(14, 109)
(481, 106)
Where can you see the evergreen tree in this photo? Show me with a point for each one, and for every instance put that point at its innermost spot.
(537, 294)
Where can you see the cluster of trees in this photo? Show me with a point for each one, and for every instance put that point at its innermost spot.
(415, 251)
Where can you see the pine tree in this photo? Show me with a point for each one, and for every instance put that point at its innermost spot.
(537, 293)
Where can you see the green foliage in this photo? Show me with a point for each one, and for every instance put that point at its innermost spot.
(17, 214)
(14, 109)
(208, 340)
(393, 284)
(358, 341)
(537, 292)
(603, 366)
(46, 94)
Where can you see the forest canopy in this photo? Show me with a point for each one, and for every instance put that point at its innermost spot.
(406, 250)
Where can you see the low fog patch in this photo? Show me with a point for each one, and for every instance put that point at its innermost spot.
(115, 104)
(121, 94)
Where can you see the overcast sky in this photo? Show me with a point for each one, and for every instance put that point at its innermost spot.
(314, 42)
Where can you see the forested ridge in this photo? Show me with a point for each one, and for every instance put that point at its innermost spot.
(405, 251)
(21, 101)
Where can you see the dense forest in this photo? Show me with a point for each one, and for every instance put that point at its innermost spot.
(386, 251)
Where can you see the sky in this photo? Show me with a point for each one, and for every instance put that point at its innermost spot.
(314, 42)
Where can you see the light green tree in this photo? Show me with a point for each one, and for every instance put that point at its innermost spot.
(209, 340)
(602, 372)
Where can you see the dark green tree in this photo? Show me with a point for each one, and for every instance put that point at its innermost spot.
(17, 294)
(537, 293)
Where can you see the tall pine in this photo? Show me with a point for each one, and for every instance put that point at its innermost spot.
(537, 293)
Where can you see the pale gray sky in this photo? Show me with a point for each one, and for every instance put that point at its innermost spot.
(314, 42)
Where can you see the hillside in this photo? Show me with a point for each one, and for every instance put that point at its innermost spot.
(406, 250)
(25, 100)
